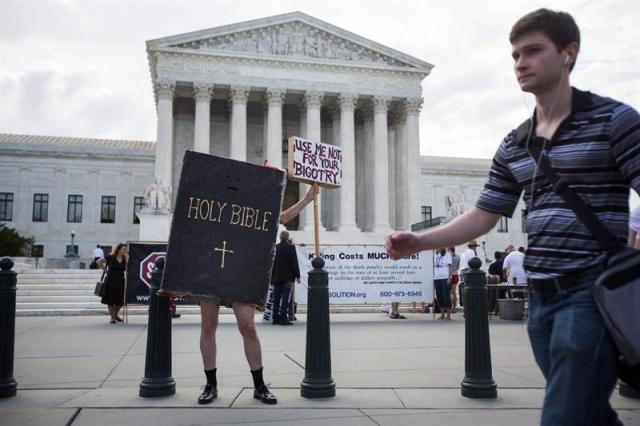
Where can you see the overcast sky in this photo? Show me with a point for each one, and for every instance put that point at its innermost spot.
(79, 68)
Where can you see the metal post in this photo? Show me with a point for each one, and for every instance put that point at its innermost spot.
(478, 381)
(157, 379)
(318, 382)
(8, 279)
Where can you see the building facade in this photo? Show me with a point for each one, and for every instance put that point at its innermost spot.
(240, 91)
(52, 186)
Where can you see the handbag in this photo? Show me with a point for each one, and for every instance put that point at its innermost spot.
(101, 285)
(617, 289)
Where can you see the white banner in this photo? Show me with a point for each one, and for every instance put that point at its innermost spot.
(311, 162)
(364, 274)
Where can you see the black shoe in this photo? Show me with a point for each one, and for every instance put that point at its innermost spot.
(285, 322)
(397, 316)
(209, 393)
(263, 394)
(176, 315)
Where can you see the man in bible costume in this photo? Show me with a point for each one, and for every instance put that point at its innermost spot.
(244, 313)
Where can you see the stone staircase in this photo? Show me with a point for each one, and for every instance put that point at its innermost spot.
(65, 292)
(54, 292)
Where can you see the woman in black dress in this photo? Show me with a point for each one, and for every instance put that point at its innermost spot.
(115, 264)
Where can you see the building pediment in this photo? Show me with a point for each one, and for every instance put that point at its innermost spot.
(293, 36)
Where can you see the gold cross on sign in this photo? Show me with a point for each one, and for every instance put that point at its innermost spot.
(224, 251)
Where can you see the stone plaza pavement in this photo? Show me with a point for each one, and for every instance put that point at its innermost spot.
(84, 371)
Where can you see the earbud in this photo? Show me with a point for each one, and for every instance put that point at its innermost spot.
(567, 60)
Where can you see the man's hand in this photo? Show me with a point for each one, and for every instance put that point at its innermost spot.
(401, 244)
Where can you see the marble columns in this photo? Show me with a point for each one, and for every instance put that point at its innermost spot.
(238, 97)
(164, 144)
(313, 102)
(273, 149)
(347, 104)
(380, 165)
(401, 222)
(413, 106)
(202, 94)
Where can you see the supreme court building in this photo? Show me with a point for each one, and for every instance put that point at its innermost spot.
(240, 91)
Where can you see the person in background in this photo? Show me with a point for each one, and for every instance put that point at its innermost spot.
(455, 278)
(467, 255)
(508, 250)
(284, 274)
(115, 264)
(395, 311)
(513, 267)
(496, 273)
(442, 282)
(98, 254)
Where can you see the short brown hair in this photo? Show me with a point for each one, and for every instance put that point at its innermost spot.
(560, 27)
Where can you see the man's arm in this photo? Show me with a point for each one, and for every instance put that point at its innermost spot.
(294, 210)
(470, 225)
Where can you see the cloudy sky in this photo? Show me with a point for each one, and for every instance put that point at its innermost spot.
(79, 68)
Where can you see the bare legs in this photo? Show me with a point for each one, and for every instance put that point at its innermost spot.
(208, 325)
(245, 318)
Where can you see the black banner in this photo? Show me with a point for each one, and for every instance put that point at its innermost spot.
(142, 257)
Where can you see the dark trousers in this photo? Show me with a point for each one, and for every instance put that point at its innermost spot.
(572, 348)
(281, 294)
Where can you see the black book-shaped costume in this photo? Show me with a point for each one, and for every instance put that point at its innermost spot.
(223, 232)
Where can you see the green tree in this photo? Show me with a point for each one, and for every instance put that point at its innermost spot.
(14, 244)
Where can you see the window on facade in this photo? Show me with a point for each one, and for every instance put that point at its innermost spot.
(108, 209)
(74, 209)
(6, 206)
(426, 213)
(37, 250)
(138, 204)
(503, 225)
(524, 221)
(106, 250)
(40, 207)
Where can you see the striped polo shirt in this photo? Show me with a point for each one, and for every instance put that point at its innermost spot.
(596, 149)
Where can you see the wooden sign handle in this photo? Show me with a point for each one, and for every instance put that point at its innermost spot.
(316, 223)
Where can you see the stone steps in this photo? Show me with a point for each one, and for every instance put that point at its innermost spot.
(55, 292)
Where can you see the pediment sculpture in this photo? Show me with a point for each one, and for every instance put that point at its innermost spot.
(294, 39)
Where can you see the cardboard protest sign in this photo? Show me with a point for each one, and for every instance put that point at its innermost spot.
(311, 161)
(223, 232)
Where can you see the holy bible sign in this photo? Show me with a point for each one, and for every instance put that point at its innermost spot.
(223, 230)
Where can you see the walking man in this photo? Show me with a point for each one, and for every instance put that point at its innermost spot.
(594, 143)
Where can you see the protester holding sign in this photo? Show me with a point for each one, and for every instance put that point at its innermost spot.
(244, 313)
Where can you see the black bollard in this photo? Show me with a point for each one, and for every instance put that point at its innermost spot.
(318, 382)
(8, 279)
(478, 381)
(628, 391)
(157, 379)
